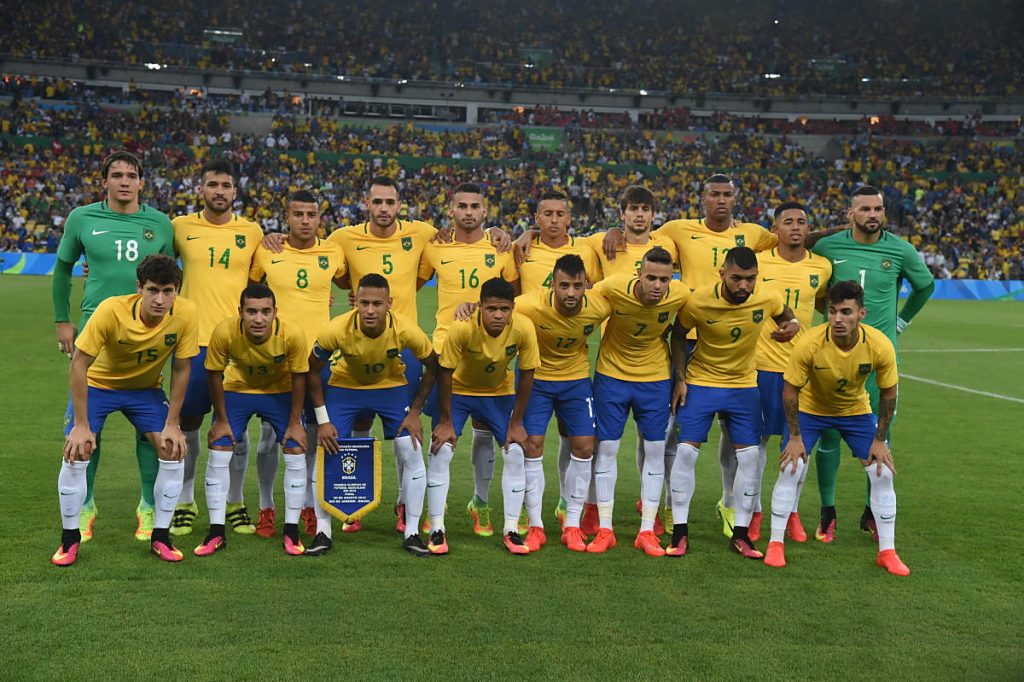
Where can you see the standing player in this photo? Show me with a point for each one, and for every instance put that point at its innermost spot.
(636, 211)
(216, 249)
(256, 365)
(633, 373)
(475, 379)
(825, 389)
(720, 377)
(365, 347)
(461, 267)
(879, 261)
(802, 278)
(116, 368)
(543, 248)
(300, 275)
(114, 235)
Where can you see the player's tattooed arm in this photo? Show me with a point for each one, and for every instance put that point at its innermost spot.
(886, 410)
(794, 449)
(811, 239)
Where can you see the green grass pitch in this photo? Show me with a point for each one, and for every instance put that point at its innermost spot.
(369, 611)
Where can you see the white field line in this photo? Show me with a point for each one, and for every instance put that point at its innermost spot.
(965, 389)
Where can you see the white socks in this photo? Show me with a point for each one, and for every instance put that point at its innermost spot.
(883, 505)
(438, 481)
(483, 463)
(188, 486)
(535, 491)
(311, 445)
(414, 481)
(683, 481)
(577, 482)
(294, 486)
(323, 518)
(746, 484)
(217, 481)
(513, 486)
(239, 464)
(71, 492)
(606, 471)
(652, 480)
(727, 458)
(564, 454)
(785, 497)
(266, 464)
(167, 491)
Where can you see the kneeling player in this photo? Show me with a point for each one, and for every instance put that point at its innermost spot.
(475, 380)
(116, 368)
(256, 365)
(824, 389)
(367, 379)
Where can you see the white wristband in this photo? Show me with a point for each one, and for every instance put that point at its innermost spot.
(321, 415)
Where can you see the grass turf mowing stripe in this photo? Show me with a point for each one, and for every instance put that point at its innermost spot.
(965, 389)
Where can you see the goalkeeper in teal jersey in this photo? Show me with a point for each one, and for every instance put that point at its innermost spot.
(115, 235)
(879, 261)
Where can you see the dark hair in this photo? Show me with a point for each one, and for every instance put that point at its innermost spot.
(467, 188)
(718, 178)
(841, 291)
(303, 196)
(657, 254)
(552, 195)
(384, 181)
(789, 206)
(219, 166)
(570, 264)
(373, 280)
(636, 194)
(121, 155)
(256, 291)
(865, 191)
(160, 269)
(497, 288)
(742, 257)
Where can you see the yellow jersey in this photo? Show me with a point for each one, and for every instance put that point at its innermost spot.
(832, 380)
(482, 363)
(129, 355)
(301, 280)
(727, 335)
(628, 262)
(634, 346)
(535, 271)
(215, 262)
(461, 270)
(564, 355)
(702, 251)
(396, 257)
(257, 368)
(802, 284)
(358, 361)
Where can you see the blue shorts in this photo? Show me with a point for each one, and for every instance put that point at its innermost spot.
(145, 408)
(493, 410)
(345, 405)
(270, 407)
(740, 409)
(649, 400)
(773, 416)
(858, 431)
(197, 393)
(413, 373)
(572, 401)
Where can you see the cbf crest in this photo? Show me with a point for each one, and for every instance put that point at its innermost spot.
(741, 240)
(406, 243)
(588, 329)
(240, 241)
(758, 315)
(510, 350)
(886, 264)
(148, 234)
(814, 281)
(489, 260)
(663, 317)
(170, 339)
(864, 368)
(324, 262)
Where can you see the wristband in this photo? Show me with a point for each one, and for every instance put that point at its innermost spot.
(321, 415)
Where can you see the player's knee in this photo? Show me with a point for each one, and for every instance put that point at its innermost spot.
(481, 432)
(686, 455)
(295, 460)
(585, 451)
(747, 456)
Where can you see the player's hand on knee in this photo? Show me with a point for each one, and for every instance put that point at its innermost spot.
(880, 456)
(172, 442)
(411, 425)
(793, 452)
(517, 435)
(66, 333)
(297, 433)
(219, 429)
(79, 444)
(274, 242)
(327, 437)
(442, 433)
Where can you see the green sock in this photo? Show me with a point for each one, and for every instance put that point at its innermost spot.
(149, 465)
(90, 473)
(826, 462)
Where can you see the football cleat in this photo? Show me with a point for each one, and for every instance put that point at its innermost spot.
(265, 523)
(745, 548)
(400, 519)
(728, 517)
(481, 515)
(795, 529)
(65, 556)
(604, 541)
(210, 545)
(560, 512)
(754, 529)
(414, 545)
(184, 517)
(826, 534)
(293, 547)
(590, 522)
(238, 516)
(85, 520)
(144, 529)
(438, 543)
(308, 520)
(166, 551)
(648, 542)
(353, 527)
(888, 560)
(573, 539)
(679, 543)
(536, 538)
(776, 555)
(867, 524)
(321, 545)
(514, 543)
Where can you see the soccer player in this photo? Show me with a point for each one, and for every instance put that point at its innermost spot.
(300, 275)
(365, 347)
(256, 364)
(462, 266)
(552, 240)
(720, 377)
(216, 249)
(633, 373)
(879, 261)
(475, 379)
(825, 389)
(114, 235)
(117, 368)
(802, 278)
(636, 211)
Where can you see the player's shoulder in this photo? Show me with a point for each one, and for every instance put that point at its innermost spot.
(151, 214)
(813, 338)
(247, 224)
(419, 227)
(833, 240)
(618, 284)
(185, 220)
(877, 338)
(532, 300)
(676, 226)
(522, 324)
(222, 330)
(898, 244)
(402, 324)
(707, 292)
(117, 305)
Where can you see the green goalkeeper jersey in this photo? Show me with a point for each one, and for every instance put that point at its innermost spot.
(114, 244)
(880, 268)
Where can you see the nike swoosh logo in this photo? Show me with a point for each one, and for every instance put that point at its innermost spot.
(713, 321)
(75, 492)
(544, 326)
(275, 262)
(768, 279)
(780, 516)
(837, 262)
(598, 473)
(188, 239)
(362, 248)
(470, 350)
(518, 491)
(98, 232)
(825, 367)
(692, 237)
(125, 343)
(653, 474)
(416, 478)
(619, 312)
(683, 491)
(434, 485)
(575, 497)
(446, 262)
(749, 494)
(886, 518)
